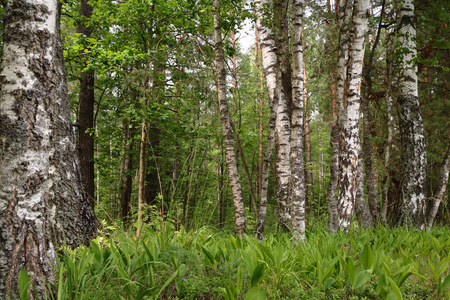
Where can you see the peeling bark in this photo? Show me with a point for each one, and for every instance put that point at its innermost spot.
(230, 155)
(42, 200)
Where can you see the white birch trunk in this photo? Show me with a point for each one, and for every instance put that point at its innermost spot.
(350, 141)
(42, 203)
(269, 61)
(230, 155)
(283, 122)
(345, 10)
(413, 166)
(298, 187)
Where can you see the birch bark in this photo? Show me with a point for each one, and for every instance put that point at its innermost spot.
(298, 187)
(266, 40)
(350, 141)
(413, 167)
(230, 156)
(344, 14)
(42, 199)
(283, 120)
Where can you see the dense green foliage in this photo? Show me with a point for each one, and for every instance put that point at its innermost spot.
(208, 264)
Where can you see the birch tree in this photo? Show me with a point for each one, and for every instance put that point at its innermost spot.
(230, 155)
(283, 119)
(350, 142)
(42, 199)
(266, 40)
(298, 187)
(345, 10)
(413, 166)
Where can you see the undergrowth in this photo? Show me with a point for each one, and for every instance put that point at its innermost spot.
(208, 264)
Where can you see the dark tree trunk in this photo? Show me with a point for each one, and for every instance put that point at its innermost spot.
(42, 199)
(86, 102)
(151, 178)
(127, 178)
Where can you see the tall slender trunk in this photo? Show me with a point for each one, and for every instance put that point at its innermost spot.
(413, 167)
(440, 189)
(141, 188)
(308, 173)
(298, 186)
(86, 102)
(390, 128)
(43, 204)
(343, 17)
(350, 141)
(226, 127)
(283, 122)
(372, 194)
(269, 60)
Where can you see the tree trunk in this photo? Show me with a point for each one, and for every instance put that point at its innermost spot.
(350, 142)
(141, 188)
(42, 201)
(298, 186)
(372, 194)
(344, 14)
(86, 101)
(308, 173)
(269, 61)
(127, 178)
(390, 128)
(362, 211)
(152, 190)
(283, 122)
(333, 217)
(440, 189)
(226, 127)
(413, 167)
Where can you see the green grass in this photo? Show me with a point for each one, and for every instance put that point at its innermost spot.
(208, 264)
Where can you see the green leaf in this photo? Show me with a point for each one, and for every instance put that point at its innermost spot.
(328, 283)
(256, 293)
(445, 285)
(367, 257)
(258, 274)
(361, 278)
(395, 289)
(24, 284)
(182, 270)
